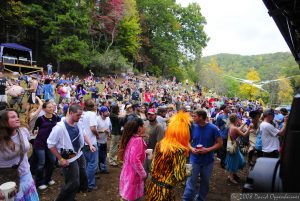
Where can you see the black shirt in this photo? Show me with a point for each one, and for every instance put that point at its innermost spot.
(2, 86)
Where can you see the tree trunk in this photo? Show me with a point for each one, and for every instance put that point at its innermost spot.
(58, 65)
(112, 39)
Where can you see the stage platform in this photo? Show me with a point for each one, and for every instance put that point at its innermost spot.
(25, 69)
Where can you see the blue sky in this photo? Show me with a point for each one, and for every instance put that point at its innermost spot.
(239, 27)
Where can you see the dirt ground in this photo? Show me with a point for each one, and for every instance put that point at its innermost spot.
(108, 186)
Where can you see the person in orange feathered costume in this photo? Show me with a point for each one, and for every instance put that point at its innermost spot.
(169, 161)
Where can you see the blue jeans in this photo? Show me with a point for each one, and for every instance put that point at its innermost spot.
(102, 156)
(44, 167)
(190, 191)
(91, 165)
(50, 71)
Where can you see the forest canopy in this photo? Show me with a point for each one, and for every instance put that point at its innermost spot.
(107, 35)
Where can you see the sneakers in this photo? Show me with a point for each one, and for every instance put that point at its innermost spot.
(232, 180)
(113, 164)
(52, 182)
(42, 187)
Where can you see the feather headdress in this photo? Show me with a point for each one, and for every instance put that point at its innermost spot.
(177, 134)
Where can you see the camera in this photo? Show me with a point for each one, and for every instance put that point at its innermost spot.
(67, 153)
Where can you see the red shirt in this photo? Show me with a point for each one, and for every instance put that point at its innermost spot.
(210, 101)
(148, 97)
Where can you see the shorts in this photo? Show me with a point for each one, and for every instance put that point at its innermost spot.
(31, 98)
(3, 98)
(15, 100)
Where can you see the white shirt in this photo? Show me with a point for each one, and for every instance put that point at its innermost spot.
(67, 89)
(89, 119)
(269, 138)
(162, 121)
(103, 124)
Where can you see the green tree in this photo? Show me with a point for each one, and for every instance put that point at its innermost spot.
(63, 26)
(67, 25)
(232, 88)
(211, 77)
(128, 39)
(11, 21)
(285, 91)
(191, 23)
(170, 31)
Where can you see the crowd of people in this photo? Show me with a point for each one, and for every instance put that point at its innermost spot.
(155, 128)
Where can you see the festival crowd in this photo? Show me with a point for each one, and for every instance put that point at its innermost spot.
(161, 131)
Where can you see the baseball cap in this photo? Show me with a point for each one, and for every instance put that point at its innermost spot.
(268, 112)
(151, 111)
(102, 109)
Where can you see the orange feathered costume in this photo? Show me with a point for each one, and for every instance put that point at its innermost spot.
(168, 165)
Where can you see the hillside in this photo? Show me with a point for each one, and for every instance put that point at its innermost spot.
(268, 65)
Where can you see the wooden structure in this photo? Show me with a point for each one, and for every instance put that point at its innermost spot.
(13, 59)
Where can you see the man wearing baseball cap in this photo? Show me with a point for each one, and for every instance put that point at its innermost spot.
(269, 134)
(154, 133)
(104, 130)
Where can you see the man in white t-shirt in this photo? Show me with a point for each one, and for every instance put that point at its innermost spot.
(88, 124)
(104, 129)
(270, 134)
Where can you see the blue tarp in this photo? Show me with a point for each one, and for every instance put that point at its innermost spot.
(15, 46)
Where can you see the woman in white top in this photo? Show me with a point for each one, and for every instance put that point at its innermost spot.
(14, 145)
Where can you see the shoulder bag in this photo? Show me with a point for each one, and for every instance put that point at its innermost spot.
(11, 173)
(231, 144)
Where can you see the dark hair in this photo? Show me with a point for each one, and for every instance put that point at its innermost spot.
(5, 130)
(89, 105)
(130, 129)
(45, 104)
(47, 81)
(161, 110)
(115, 109)
(254, 113)
(223, 107)
(202, 113)
(74, 108)
(241, 108)
(284, 111)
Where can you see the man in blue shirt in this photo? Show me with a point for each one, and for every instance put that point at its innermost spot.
(49, 68)
(205, 139)
(278, 119)
(223, 124)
